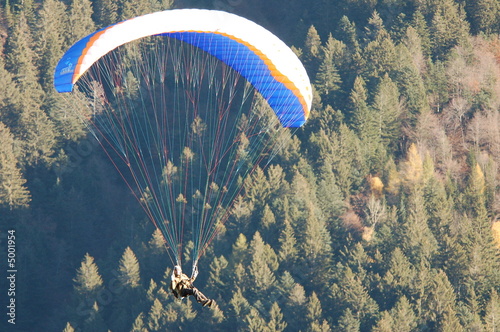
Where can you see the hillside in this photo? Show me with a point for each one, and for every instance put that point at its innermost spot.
(380, 215)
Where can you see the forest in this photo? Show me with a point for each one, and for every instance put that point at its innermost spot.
(382, 214)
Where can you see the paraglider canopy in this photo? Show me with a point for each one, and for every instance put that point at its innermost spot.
(171, 98)
(254, 52)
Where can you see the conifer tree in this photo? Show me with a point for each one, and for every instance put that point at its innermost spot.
(328, 79)
(130, 8)
(217, 269)
(448, 28)
(348, 34)
(420, 25)
(254, 321)
(492, 315)
(88, 281)
(375, 27)
(33, 125)
(475, 198)
(349, 293)
(330, 198)
(312, 50)
(105, 12)
(80, 20)
(268, 219)
(239, 249)
(68, 328)
(316, 248)
(239, 304)
(388, 111)
(399, 276)
(288, 244)
(483, 15)
(51, 26)
(276, 322)
(129, 271)
(21, 59)
(440, 304)
(380, 56)
(362, 118)
(419, 244)
(139, 325)
(262, 265)
(13, 192)
(314, 315)
(9, 97)
(403, 316)
(348, 322)
(410, 82)
(156, 316)
(157, 242)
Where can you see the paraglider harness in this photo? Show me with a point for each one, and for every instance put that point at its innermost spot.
(182, 286)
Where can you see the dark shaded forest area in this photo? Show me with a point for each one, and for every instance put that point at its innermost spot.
(381, 215)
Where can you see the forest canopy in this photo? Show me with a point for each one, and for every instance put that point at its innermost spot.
(379, 215)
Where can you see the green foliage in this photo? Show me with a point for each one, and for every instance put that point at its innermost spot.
(405, 92)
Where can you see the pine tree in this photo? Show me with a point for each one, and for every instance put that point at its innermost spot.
(398, 278)
(316, 248)
(328, 79)
(348, 322)
(262, 265)
(80, 20)
(106, 12)
(157, 242)
(254, 321)
(348, 292)
(9, 97)
(239, 305)
(51, 26)
(268, 219)
(276, 322)
(380, 56)
(484, 15)
(35, 130)
(348, 34)
(475, 198)
(420, 25)
(139, 325)
(409, 81)
(330, 198)
(448, 28)
(362, 118)
(492, 315)
(385, 323)
(418, 242)
(403, 316)
(288, 244)
(156, 316)
(217, 271)
(129, 271)
(130, 8)
(239, 250)
(88, 281)
(13, 192)
(314, 315)
(68, 328)
(312, 50)
(440, 304)
(375, 27)
(388, 111)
